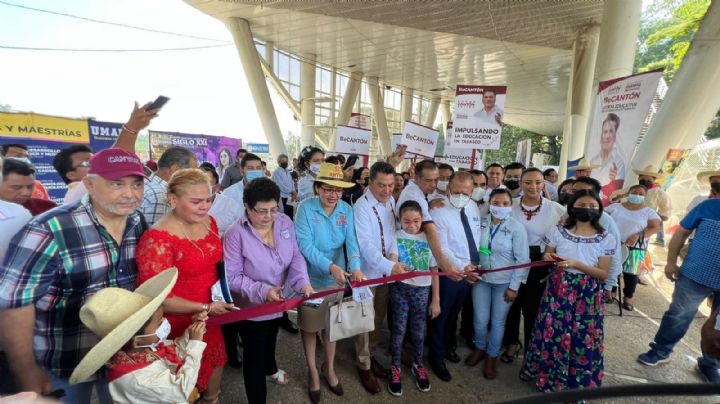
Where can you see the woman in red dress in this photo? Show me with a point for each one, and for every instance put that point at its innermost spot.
(187, 238)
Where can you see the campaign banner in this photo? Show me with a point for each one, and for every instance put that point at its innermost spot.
(478, 117)
(217, 150)
(360, 121)
(104, 134)
(621, 106)
(419, 139)
(669, 166)
(258, 148)
(458, 157)
(351, 140)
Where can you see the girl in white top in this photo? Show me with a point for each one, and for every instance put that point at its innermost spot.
(636, 222)
(537, 215)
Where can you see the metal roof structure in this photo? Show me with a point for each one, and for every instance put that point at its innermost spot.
(432, 46)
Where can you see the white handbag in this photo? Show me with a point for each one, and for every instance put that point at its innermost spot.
(348, 318)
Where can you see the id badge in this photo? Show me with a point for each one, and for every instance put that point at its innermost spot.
(362, 294)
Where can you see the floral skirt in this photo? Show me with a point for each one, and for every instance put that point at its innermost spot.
(567, 342)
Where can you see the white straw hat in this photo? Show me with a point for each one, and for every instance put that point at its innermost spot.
(116, 315)
(583, 164)
(704, 176)
(650, 171)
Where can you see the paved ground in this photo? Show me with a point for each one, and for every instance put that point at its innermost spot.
(625, 338)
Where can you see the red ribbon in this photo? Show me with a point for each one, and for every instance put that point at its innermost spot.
(289, 304)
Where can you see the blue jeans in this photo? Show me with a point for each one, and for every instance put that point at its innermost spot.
(81, 393)
(490, 306)
(686, 299)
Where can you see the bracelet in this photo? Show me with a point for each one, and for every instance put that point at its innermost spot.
(132, 132)
(205, 307)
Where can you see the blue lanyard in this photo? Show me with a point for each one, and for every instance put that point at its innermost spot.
(493, 233)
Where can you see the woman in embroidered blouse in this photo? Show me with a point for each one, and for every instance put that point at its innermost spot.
(187, 238)
(325, 233)
(567, 345)
(263, 264)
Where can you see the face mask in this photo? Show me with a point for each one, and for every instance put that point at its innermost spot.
(442, 185)
(459, 200)
(478, 194)
(585, 214)
(315, 168)
(512, 184)
(358, 164)
(715, 186)
(500, 212)
(284, 165)
(636, 199)
(646, 183)
(564, 198)
(162, 332)
(366, 181)
(23, 159)
(253, 174)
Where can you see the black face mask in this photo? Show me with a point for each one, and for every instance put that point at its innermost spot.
(715, 186)
(646, 183)
(512, 184)
(585, 214)
(366, 182)
(564, 198)
(284, 165)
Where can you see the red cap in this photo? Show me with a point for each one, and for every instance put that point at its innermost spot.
(113, 164)
(152, 165)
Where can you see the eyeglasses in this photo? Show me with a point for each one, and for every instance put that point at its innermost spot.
(266, 212)
(337, 191)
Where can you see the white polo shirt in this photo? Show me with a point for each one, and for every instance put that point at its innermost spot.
(12, 218)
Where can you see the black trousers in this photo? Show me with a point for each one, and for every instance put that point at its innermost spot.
(527, 303)
(631, 282)
(467, 327)
(452, 299)
(287, 209)
(230, 335)
(259, 339)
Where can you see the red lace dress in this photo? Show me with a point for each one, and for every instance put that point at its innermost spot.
(196, 264)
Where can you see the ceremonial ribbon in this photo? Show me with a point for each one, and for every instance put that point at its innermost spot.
(292, 303)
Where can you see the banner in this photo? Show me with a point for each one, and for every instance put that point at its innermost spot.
(669, 166)
(523, 152)
(360, 121)
(351, 140)
(419, 139)
(621, 107)
(217, 150)
(104, 134)
(478, 117)
(258, 148)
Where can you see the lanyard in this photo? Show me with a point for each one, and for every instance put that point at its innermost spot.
(489, 237)
(382, 233)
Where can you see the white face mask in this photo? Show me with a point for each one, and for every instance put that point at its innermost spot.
(315, 168)
(500, 212)
(162, 332)
(478, 194)
(459, 200)
(442, 185)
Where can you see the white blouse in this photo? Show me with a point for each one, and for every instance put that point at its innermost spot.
(580, 248)
(630, 221)
(539, 224)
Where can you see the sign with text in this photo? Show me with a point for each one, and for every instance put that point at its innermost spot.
(258, 148)
(360, 121)
(352, 140)
(460, 157)
(217, 150)
(419, 139)
(43, 127)
(478, 117)
(104, 134)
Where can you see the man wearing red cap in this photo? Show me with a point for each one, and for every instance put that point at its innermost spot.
(56, 262)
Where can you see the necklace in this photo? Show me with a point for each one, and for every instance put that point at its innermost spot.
(183, 224)
(530, 213)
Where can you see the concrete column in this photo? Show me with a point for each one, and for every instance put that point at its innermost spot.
(419, 109)
(348, 101)
(250, 60)
(692, 100)
(581, 95)
(378, 108)
(618, 37)
(307, 99)
(567, 130)
(432, 112)
(406, 106)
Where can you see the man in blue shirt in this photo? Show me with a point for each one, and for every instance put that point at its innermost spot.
(698, 277)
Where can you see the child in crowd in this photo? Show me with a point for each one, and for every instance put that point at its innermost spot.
(141, 366)
(410, 297)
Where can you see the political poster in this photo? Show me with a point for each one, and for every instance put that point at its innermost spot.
(458, 157)
(351, 140)
(478, 117)
(621, 106)
(217, 150)
(669, 166)
(419, 139)
(360, 121)
(104, 134)
(45, 136)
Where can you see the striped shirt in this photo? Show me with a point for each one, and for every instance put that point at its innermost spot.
(56, 262)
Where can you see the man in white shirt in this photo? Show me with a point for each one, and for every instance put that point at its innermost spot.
(375, 228)
(284, 181)
(513, 172)
(228, 206)
(12, 218)
(490, 113)
(458, 226)
(72, 164)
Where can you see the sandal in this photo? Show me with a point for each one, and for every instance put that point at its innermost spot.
(280, 377)
(511, 352)
(525, 376)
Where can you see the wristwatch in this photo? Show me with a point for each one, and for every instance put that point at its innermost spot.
(206, 307)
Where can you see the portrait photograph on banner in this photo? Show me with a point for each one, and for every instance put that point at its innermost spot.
(478, 117)
(621, 107)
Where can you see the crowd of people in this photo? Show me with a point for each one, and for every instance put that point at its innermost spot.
(111, 291)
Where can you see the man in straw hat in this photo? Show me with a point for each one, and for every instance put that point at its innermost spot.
(656, 198)
(711, 178)
(583, 168)
(142, 367)
(56, 262)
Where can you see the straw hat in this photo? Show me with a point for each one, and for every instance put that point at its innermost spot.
(332, 174)
(116, 315)
(704, 176)
(583, 164)
(650, 171)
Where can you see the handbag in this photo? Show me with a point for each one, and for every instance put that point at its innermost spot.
(635, 263)
(348, 318)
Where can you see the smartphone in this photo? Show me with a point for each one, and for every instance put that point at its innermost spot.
(159, 102)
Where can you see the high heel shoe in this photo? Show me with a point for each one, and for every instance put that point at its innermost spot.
(314, 395)
(511, 352)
